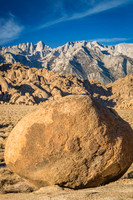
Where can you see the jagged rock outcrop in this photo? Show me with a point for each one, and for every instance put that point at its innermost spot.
(3, 85)
(125, 49)
(118, 94)
(25, 85)
(27, 54)
(73, 142)
(122, 92)
(87, 60)
(31, 85)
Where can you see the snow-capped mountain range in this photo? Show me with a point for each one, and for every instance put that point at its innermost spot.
(87, 60)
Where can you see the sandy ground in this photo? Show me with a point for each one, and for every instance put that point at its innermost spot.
(117, 191)
(120, 190)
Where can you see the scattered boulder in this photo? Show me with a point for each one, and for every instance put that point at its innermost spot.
(56, 93)
(25, 100)
(73, 142)
(44, 85)
(41, 84)
(14, 97)
(3, 85)
(41, 95)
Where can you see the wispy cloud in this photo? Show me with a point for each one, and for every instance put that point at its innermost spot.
(9, 29)
(103, 6)
(51, 23)
(92, 7)
(109, 40)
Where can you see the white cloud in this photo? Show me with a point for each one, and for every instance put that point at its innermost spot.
(9, 29)
(51, 23)
(109, 40)
(92, 7)
(103, 6)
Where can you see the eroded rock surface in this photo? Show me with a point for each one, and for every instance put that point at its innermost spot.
(31, 86)
(73, 142)
(20, 84)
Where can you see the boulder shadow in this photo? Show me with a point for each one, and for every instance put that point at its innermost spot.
(100, 93)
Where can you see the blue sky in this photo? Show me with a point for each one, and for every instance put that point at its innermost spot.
(56, 22)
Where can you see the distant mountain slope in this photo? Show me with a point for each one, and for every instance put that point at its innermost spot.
(27, 54)
(84, 59)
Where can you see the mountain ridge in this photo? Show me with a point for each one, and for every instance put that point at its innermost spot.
(86, 60)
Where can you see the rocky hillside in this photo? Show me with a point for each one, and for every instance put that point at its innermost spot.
(24, 85)
(118, 94)
(20, 84)
(84, 59)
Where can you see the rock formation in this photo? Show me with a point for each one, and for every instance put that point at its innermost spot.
(122, 92)
(87, 60)
(118, 94)
(73, 142)
(31, 85)
(3, 85)
(25, 85)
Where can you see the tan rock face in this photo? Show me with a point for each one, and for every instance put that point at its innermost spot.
(16, 80)
(122, 91)
(73, 142)
(118, 94)
(40, 84)
(3, 85)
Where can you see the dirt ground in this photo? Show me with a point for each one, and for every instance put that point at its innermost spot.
(11, 183)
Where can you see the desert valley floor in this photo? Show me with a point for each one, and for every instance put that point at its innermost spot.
(10, 183)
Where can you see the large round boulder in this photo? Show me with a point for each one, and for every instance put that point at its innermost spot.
(73, 142)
